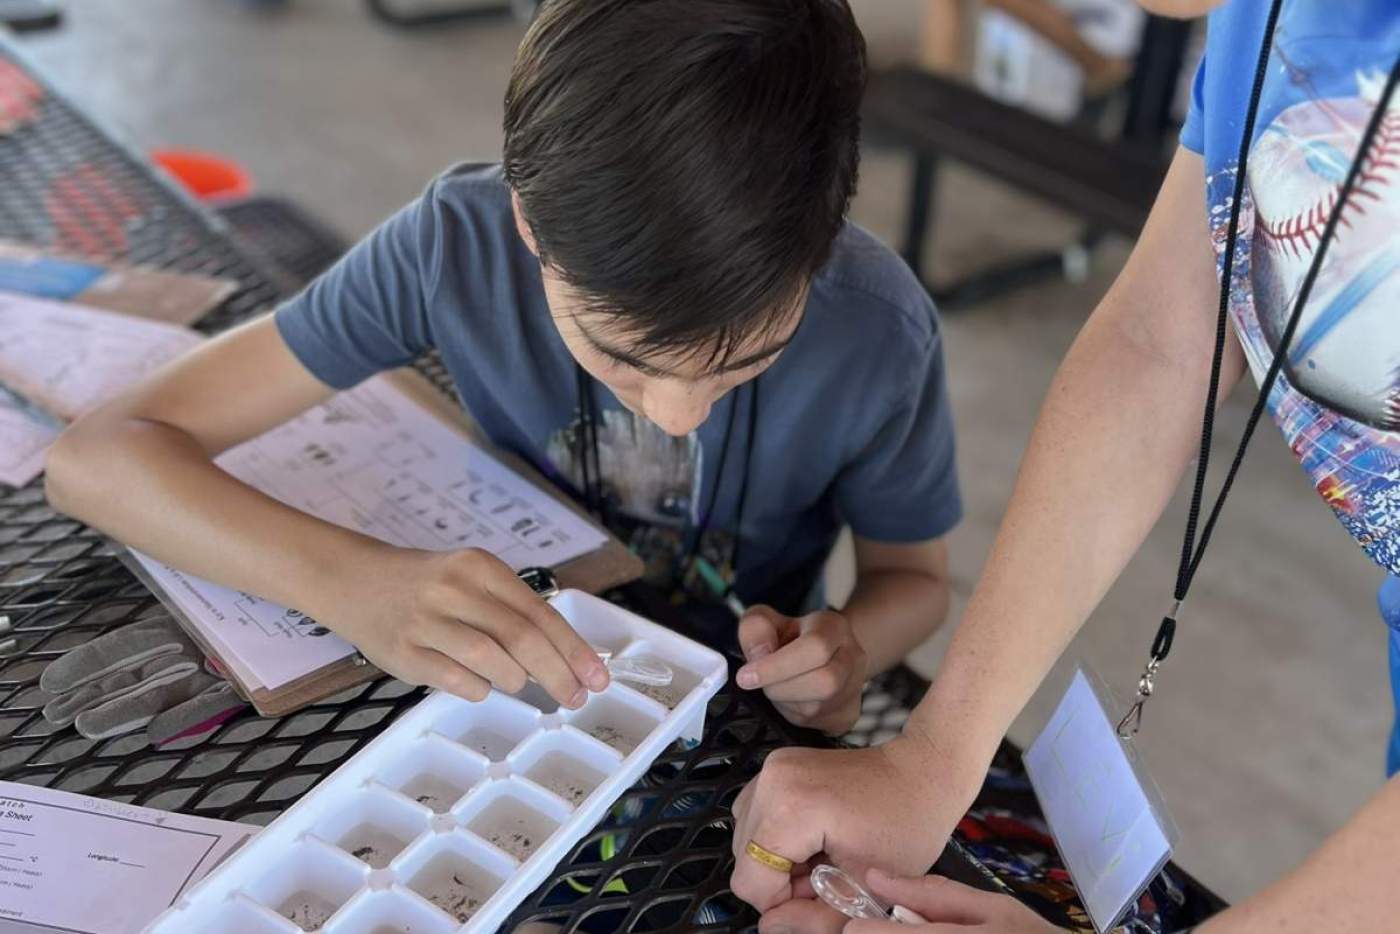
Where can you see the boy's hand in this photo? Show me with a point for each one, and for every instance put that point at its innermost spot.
(462, 621)
(812, 668)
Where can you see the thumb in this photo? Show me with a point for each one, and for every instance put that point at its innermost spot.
(760, 631)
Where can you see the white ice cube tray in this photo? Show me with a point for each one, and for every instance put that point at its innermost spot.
(455, 813)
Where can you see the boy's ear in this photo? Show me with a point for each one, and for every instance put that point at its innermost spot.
(522, 226)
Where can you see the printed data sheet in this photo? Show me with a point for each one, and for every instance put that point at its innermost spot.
(373, 460)
(88, 866)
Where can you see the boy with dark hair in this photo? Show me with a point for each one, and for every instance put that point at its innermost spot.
(658, 303)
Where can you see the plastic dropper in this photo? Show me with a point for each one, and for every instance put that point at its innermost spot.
(841, 891)
(639, 669)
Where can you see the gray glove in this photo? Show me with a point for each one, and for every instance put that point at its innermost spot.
(147, 674)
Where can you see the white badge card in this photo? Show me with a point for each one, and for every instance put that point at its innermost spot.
(1103, 811)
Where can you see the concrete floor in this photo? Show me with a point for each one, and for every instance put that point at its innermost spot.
(1269, 727)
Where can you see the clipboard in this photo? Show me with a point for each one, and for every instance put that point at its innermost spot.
(139, 291)
(608, 566)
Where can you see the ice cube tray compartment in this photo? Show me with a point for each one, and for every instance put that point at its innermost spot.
(393, 912)
(619, 717)
(683, 680)
(374, 826)
(491, 728)
(547, 773)
(238, 913)
(456, 874)
(513, 816)
(309, 884)
(436, 773)
(566, 763)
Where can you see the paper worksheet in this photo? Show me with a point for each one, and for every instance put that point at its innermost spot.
(88, 866)
(373, 460)
(23, 444)
(66, 359)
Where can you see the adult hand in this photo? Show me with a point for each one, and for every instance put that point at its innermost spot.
(891, 806)
(461, 621)
(811, 668)
(949, 907)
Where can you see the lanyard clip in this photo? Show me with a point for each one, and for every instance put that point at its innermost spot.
(1132, 720)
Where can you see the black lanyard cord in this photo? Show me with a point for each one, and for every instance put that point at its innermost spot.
(744, 481)
(586, 450)
(738, 535)
(704, 524)
(1189, 554)
(1193, 551)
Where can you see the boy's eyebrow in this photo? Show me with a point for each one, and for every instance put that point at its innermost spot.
(632, 360)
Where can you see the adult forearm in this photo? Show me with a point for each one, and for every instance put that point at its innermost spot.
(893, 611)
(1120, 423)
(1116, 431)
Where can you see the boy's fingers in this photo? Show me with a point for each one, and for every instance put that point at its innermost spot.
(477, 652)
(582, 660)
(533, 651)
(438, 671)
(821, 684)
(758, 633)
(544, 642)
(807, 652)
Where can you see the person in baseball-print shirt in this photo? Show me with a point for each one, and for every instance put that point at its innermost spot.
(1120, 425)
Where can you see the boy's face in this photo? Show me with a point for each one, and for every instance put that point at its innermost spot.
(674, 391)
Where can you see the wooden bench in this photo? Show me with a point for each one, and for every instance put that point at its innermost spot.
(1109, 183)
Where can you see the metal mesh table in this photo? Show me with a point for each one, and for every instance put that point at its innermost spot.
(662, 860)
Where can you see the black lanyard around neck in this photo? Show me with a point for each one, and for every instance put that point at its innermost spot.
(1192, 549)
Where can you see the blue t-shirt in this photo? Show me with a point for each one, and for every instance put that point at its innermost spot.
(1337, 399)
(852, 422)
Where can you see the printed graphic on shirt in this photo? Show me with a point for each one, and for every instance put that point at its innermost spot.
(646, 473)
(1337, 400)
(654, 481)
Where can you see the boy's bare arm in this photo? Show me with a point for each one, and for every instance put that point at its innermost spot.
(140, 468)
(900, 598)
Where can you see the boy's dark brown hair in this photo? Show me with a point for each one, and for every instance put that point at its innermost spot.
(686, 164)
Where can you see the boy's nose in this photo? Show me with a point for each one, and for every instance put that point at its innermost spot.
(675, 408)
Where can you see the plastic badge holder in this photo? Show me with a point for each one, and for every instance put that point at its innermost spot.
(455, 813)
